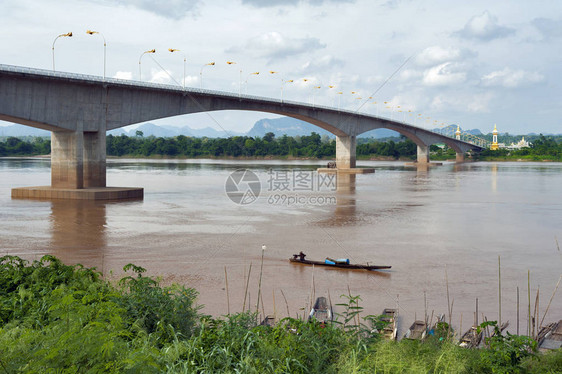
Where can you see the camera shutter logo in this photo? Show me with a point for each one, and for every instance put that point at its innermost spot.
(243, 186)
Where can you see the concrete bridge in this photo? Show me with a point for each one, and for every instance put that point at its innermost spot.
(79, 109)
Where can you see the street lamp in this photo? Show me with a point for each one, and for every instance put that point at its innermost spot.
(283, 81)
(145, 52)
(314, 93)
(201, 73)
(339, 98)
(239, 78)
(90, 32)
(263, 248)
(377, 106)
(331, 86)
(172, 50)
(248, 77)
(69, 34)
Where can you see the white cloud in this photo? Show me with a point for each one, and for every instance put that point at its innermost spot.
(410, 74)
(127, 75)
(511, 78)
(475, 103)
(174, 9)
(321, 64)
(437, 55)
(272, 3)
(484, 27)
(273, 45)
(443, 75)
(160, 76)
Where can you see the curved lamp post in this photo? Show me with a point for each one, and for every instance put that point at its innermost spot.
(201, 73)
(377, 106)
(145, 52)
(339, 98)
(172, 50)
(239, 78)
(68, 34)
(283, 81)
(314, 93)
(248, 77)
(330, 86)
(90, 32)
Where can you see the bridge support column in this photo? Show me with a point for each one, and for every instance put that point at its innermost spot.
(67, 159)
(423, 154)
(78, 169)
(460, 157)
(345, 152)
(94, 159)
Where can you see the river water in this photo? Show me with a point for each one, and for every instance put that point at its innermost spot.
(441, 229)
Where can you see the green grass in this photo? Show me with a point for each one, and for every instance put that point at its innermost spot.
(56, 318)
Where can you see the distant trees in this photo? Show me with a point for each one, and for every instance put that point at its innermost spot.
(541, 148)
(17, 147)
(313, 146)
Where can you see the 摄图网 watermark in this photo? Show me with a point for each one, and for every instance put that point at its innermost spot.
(284, 187)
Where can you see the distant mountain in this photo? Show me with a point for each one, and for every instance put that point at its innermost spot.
(150, 129)
(284, 126)
(474, 132)
(379, 134)
(293, 127)
(209, 132)
(451, 129)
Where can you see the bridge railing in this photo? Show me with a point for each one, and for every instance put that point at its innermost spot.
(187, 90)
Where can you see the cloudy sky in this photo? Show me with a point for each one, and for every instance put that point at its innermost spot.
(474, 63)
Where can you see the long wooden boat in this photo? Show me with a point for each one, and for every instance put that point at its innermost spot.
(339, 265)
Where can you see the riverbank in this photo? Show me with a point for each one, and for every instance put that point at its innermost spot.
(69, 317)
(292, 158)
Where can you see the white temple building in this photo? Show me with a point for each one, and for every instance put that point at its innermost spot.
(521, 144)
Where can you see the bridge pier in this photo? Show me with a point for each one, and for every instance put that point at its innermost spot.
(423, 154)
(345, 152)
(77, 159)
(460, 157)
(67, 159)
(78, 170)
(94, 159)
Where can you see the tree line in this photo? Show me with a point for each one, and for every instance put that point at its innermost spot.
(12, 146)
(309, 146)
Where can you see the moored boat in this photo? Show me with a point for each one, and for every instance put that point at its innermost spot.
(550, 336)
(390, 316)
(321, 311)
(340, 264)
(269, 320)
(471, 338)
(417, 331)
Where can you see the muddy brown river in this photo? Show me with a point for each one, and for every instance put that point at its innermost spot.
(437, 227)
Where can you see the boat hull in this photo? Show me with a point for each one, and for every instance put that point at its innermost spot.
(338, 265)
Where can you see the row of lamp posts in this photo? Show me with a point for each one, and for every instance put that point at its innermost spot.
(172, 50)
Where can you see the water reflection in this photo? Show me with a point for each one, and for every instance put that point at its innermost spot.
(345, 212)
(78, 231)
(494, 178)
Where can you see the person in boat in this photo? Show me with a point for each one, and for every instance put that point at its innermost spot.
(300, 256)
